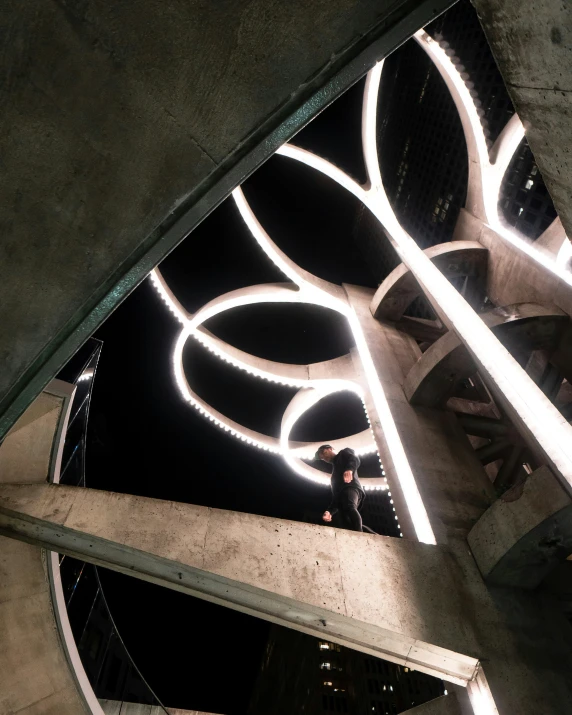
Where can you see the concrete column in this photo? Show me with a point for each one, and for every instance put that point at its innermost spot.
(518, 543)
(454, 487)
(530, 40)
(37, 676)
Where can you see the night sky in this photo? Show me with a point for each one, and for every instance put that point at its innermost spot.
(143, 439)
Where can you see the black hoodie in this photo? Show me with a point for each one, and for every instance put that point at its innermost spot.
(344, 460)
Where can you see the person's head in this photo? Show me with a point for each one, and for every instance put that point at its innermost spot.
(326, 453)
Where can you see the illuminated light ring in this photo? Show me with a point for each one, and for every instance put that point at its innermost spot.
(368, 196)
(361, 442)
(302, 401)
(485, 177)
(319, 292)
(164, 292)
(275, 372)
(191, 327)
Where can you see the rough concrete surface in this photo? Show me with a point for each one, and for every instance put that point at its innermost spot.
(517, 543)
(114, 707)
(531, 41)
(419, 605)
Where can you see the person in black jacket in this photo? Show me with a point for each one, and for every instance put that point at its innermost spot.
(347, 491)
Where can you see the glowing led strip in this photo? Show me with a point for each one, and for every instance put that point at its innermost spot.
(403, 470)
(191, 327)
(489, 175)
(304, 400)
(544, 421)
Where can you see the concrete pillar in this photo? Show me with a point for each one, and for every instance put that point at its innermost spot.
(37, 673)
(530, 40)
(518, 543)
(453, 484)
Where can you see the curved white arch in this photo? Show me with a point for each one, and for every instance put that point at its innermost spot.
(331, 376)
(485, 176)
(359, 442)
(541, 418)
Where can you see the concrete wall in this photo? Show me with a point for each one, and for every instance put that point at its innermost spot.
(35, 678)
(124, 124)
(519, 542)
(531, 40)
(419, 605)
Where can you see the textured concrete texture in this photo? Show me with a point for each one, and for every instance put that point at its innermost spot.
(455, 260)
(416, 604)
(123, 124)
(34, 675)
(512, 276)
(445, 705)
(517, 543)
(454, 487)
(35, 678)
(531, 40)
(521, 328)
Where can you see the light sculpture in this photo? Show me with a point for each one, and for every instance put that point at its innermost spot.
(485, 177)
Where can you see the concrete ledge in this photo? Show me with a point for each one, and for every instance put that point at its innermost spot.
(353, 588)
(517, 543)
(445, 705)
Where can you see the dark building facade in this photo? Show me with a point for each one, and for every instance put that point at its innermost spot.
(422, 149)
(301, 674)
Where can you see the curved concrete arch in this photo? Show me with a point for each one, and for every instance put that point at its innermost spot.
(323, 292)
(454, 259)
(39, 661)
(486, 174)
(521, 328)
(156, 152)
(263, 441)
(340, 368)
(477, 150)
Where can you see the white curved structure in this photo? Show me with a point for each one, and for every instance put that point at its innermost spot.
(538, 416)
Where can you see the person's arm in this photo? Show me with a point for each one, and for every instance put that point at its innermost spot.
(349, 464)
(331, 510)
